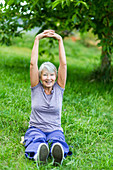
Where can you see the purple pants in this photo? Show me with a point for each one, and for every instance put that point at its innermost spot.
(34, 137)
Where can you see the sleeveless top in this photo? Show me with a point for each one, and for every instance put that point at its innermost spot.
(46, 109)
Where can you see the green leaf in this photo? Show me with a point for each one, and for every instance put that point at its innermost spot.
(81, 2)
(55, 3)
(10, 2)
(67, 2)
(62, 3)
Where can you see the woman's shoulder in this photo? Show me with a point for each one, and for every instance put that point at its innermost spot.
(37, 86)
(56, 85)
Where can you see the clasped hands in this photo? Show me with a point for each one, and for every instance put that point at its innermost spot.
(48, 33)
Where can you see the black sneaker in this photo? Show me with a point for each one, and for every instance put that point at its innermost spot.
(42, 154)
(58, 154)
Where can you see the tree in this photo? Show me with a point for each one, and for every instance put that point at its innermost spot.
(63, 16)
(29, 14)
(99, 18)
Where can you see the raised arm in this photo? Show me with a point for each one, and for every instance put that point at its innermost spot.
(62, 70)
(34, 75)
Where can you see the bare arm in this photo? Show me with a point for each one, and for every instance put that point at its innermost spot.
(62, 70)
(34, 75)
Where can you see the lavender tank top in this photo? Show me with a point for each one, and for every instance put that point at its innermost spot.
(46, 109)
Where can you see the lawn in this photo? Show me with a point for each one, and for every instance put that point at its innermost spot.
(87, 113)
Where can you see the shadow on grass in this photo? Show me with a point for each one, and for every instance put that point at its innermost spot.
(75, 75)
(19, 66)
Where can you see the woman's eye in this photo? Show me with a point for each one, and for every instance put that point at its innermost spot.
(44, 74)
(52, 74)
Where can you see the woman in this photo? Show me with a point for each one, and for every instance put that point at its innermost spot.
(46, 96)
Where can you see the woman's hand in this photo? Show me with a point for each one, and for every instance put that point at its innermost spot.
(44, 34)
(54, 35)
(48, 33)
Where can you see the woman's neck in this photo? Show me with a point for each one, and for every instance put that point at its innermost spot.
(47, 90)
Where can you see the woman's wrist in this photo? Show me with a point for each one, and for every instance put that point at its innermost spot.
(59, 38)
(37, 38)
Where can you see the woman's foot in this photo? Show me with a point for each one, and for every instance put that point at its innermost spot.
(42, 153)
(57, 153)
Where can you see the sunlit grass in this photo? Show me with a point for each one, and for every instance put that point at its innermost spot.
(87, 114)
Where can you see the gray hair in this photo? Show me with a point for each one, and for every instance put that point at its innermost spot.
(47, 66)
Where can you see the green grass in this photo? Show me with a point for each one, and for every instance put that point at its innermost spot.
(87, 113)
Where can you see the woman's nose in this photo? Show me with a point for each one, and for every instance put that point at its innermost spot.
(48, 76)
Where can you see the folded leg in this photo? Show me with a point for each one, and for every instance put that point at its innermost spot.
(57, 136)
(32, 139)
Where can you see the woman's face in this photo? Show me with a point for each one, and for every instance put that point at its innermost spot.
(48, 79)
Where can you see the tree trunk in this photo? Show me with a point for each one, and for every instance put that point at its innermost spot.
(106, 65)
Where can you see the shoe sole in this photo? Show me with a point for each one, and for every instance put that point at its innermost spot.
(43, 154)
(57, 155)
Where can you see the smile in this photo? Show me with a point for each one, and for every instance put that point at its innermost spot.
(48, 82)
